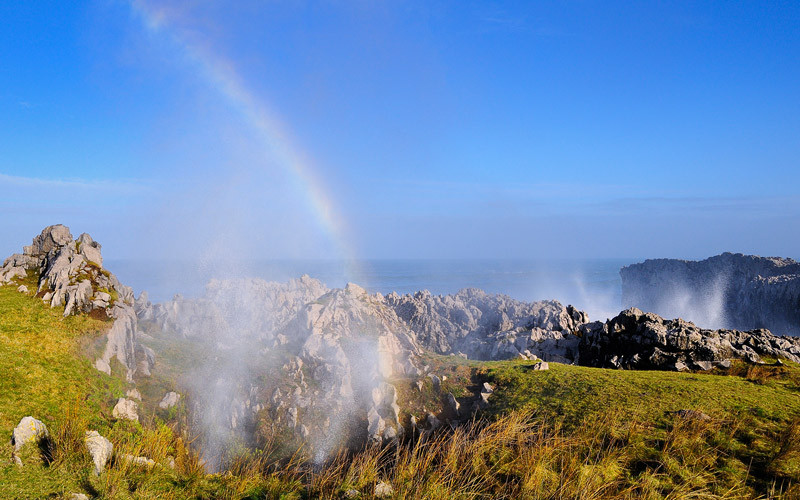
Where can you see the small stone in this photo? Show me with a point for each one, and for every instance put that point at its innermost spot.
(126, 409)
(486, 388)
(692, 415)
(29, 430)
(170, 399)
(432, 421)
(383, 490)
(724, 364)
(703, 365)
(78, 496)
(541, 366)
(452, 403)
(134, 394)
(142, 461)
(99, 448)
(351, 493)
(22, 289)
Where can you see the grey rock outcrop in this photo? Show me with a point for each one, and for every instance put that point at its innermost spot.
(69, 274)
(726, 291)
(638, 340)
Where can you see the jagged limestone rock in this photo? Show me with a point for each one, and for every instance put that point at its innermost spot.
(70, 275)
(638, 340)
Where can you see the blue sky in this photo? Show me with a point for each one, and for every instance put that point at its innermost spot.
(432, 129)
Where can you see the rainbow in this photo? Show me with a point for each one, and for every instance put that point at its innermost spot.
(222, 76)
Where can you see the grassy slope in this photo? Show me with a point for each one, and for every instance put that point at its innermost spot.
(42, 374)
(752, 435)
(576, 391)
(40, 363)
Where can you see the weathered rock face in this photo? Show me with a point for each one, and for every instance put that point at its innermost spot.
(725, 291)
(69, 273)
(485, 326)
(638, 340)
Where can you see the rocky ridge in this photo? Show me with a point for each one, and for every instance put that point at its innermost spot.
(69, 274)
(637, 340)
(725, 291)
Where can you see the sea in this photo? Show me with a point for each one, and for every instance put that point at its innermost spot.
(592, 285)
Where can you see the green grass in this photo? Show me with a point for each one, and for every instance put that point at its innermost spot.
(40, 361)
(575, 392)
(753, 416)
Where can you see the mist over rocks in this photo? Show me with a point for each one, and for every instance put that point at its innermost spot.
(725, 291)
(69, 273)
(319, 365)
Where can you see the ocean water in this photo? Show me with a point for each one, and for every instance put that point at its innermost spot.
(589, 284)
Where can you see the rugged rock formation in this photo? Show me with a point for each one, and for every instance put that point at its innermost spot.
(638, 340)
(69, 273)
(725, 291)
(485, 326)
(313, 361)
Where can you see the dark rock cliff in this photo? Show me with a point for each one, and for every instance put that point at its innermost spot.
(726, 291)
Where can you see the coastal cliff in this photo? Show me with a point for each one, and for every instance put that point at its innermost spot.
(738, 291)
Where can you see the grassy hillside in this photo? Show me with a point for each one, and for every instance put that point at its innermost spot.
(570, 432)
